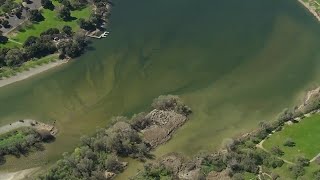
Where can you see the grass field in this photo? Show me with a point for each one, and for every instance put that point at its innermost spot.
(51, 21)
(286, 174)
(305, 134)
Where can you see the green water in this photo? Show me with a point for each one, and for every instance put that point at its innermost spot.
(234, 62)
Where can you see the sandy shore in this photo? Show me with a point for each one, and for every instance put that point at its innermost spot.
(17, 175)
(39, 126)
(26, 74)
(310, 8)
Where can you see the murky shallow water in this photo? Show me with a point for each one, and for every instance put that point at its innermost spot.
(235, 63)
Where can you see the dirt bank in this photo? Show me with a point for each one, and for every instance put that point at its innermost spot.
(39, 126)
(17, 175)
(26, 74)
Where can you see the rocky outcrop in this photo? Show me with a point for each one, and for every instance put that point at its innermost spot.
(163, 125)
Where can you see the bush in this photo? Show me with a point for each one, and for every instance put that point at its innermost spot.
(272, 161)
(237, 176)
(210, 163)
(297, 170)
(171, 103)
(277, 151)
(289, 142)
(316, 174)
(285, 116)
(302, 161)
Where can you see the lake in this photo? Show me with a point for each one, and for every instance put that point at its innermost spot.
(235, 63)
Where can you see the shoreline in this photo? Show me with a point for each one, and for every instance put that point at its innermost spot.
(17, 175)
(310, 9)
(37, 125)
(31, 72)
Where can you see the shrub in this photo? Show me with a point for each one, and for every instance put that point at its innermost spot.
(237, 176)
(289, 142)
(303, 161)
(297, 170)
(316, 174)
(171, 103)
(277, 151)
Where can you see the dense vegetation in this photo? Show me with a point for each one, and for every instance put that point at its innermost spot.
(98, 155)
(287, 154)
(21, 142)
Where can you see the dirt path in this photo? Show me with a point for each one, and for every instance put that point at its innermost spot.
(315, 158)
(17, 175)
(26, 74)
(260, 145)
(11, 40)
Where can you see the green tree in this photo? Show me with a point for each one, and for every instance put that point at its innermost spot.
(14, 57)
(35, 15)
(64, 13)
(47, 4)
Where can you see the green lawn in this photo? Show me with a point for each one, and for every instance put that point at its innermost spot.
(51, 21)
(284, 172)
(305, 134)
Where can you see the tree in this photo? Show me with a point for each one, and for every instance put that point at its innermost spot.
(6, 24)
(113, 165)
(35, 15)
(303, 161)
(169, 103)
(64, 13)
(14, 57)
(3, 39)
(289, 142)
(47, 4)
(277, 151)
(30, 41)
(238, 176)
(67, 30)
(316, 174)
(297, 170)
(86, 25)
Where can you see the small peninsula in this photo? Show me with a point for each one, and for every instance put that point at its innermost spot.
(100, 156)
(24, 136)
